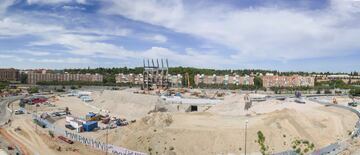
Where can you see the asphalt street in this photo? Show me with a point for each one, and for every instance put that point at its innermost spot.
(4, 113)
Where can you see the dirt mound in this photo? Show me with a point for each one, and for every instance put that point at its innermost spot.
(234, 105)
(125, 103)
(158, 119)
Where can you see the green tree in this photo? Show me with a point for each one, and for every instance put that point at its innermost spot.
(33, 90)
(23, 78)
(355, 92)
(3, 85)
(261, 141)
(258, 82)
(109, 78)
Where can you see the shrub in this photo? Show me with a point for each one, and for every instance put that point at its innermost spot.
(33, 90)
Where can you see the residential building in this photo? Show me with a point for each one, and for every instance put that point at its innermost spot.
(9, 74)
(36, 76)
(174, 80)
(226, 79)
(287, 81)
(344, 77)
(129, 78)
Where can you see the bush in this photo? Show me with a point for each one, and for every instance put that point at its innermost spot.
(355, 92)
(327, 91)
(51, 134)
(60, 90)
(33, 90)
(318, 91)
(3, 85)
(261, 142)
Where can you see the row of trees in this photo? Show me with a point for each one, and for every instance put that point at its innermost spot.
(83, 83)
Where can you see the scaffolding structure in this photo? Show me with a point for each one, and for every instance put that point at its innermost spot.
(155, 74)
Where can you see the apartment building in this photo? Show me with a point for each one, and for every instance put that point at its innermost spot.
(227, 79)
(287, 81)
(35, 76)
(129, 78)
(9, 74)
(346, 78)
(174, 80)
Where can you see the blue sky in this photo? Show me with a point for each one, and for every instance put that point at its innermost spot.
(285, 35)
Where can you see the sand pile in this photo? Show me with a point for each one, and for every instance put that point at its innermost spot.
(124, 103)
(207, 133)
(233, 105)
(158, 119)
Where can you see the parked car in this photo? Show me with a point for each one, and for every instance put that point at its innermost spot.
(353, 104)
(69, 127)
(19, 112)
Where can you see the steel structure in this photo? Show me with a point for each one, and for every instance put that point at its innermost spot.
(155, 75)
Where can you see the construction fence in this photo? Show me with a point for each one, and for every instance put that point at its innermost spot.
(93, 143)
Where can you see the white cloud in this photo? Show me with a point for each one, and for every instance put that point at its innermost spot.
(54, 1)
(4, 4)
(37, 53)
(256, 33)
(12, 57)
(166, 11)
(62, 60)
(12, 27)
(158, 38)
(86, 45)
(68, 7)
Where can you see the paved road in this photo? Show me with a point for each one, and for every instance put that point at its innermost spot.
(4, 113)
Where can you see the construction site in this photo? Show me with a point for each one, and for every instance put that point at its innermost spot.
(158, 118)
(164, 120)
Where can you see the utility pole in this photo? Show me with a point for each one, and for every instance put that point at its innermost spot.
(246, 123)
(107, 134)
(36, 114)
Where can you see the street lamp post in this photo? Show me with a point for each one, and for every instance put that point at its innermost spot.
(246, 124)
(107, 134)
